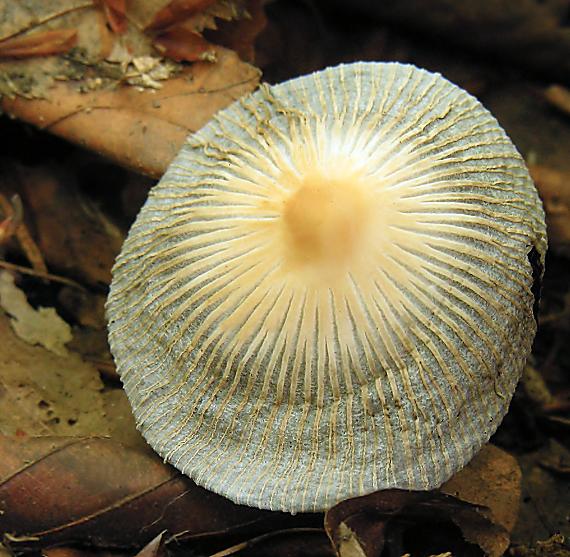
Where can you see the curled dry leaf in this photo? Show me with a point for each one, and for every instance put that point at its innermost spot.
(364, 526)
(155, 547)
(481, 501)
(183, 44)
(493, 480)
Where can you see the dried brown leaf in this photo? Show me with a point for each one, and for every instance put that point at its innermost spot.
(154, 548)
(554, 188)
(481, 500)
(115, 14)
(42, 393)
(493, 480)
(240, 35)
(155, 123)
(36, 326)
(43, 43)
(176, 11)
(365, 526)
(72, 233)
(181, 43)
(102, 493)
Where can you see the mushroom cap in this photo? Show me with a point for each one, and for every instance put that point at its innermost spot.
(330, 291)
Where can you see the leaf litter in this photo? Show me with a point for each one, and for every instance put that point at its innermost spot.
(114, 492)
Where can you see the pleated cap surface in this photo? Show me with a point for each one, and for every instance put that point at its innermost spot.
(330, 291)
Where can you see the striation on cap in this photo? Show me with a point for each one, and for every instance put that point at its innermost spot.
(330, 291)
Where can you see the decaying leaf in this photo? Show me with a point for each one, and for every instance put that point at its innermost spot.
(555, 546)
(155, 122)
(472, 514)
(85, 96)
(36, 326)
(42, 393)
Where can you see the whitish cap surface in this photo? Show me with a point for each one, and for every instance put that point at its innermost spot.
(330, 290)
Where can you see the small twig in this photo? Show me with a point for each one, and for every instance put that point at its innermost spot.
(40, 274)
(234, 549)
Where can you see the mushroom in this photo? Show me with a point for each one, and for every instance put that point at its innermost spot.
(331, 290)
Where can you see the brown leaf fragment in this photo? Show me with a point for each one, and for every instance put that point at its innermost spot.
(414, 522)
(43, 43)
(13, 224)
(140, 130)
(74, 235)
(102, 493)
(42, 393)
(348, 543)
(115, 14)
(544, 507)
(182, 43)
(493, 480)
(11, 214)
(154, 548)
(241, 35)
(554, 188)
(559, 97)
(177, 11)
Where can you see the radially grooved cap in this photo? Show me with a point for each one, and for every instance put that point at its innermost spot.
(331, 290)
